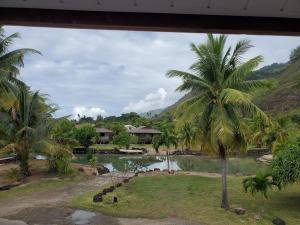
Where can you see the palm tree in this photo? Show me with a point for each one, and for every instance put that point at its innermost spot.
(187, 135)
(219, 96)
(10, 62)
(156, 142)
(262, 182)
(168, 139)
(27, 127)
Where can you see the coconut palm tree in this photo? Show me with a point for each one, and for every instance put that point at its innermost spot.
(10, 63)
(187, 135)
(220, 96)
(26, 127)
(156, 143)
(168, 139)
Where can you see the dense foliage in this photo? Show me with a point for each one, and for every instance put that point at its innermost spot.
(123, 139)
(262, 182)
(286, 164)
(85, 134)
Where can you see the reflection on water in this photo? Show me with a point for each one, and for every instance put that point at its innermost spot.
(244, 166)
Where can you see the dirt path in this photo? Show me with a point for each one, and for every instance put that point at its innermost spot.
(47, 208)
(52, 197)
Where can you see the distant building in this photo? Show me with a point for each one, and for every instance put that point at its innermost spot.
(145, 134)
(129, 127)
(105, 135)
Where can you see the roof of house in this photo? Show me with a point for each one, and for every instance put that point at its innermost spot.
(103, 130)
(144, 130)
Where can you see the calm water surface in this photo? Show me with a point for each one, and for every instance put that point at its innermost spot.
(243, 166)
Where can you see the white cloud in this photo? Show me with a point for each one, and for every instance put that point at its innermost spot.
(87, 111)
(112, 68)
(151, 101)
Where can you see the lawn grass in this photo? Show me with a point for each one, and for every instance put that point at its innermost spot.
(195, 198)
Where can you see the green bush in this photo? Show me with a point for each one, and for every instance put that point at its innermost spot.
(286, 164)
(261, 182)
(122, 140)
(85, 134)
(63, 166)
(59, 158)
(93, 161)
(63, 128)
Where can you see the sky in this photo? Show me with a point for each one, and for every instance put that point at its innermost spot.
(92, 72)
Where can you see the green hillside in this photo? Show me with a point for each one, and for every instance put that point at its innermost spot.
(286, 95)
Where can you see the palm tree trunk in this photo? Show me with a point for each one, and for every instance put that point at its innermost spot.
(222, 152)
(168, 161)
(24, 166)
(24, 158)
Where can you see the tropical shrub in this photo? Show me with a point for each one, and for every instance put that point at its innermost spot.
(286, 164)
(261, 182)
(63, 128)
(63, 166)
(85, 134)
(58, 157)
(93, 161)
(122, 139)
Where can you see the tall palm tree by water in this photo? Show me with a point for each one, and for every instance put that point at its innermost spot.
(220, 96)
(26, 128)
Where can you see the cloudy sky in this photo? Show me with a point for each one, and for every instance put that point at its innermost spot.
(91, 72)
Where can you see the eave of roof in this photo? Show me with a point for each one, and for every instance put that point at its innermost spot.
(144, 131)
(103, 130)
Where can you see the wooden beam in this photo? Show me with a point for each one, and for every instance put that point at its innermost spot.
(149, 21)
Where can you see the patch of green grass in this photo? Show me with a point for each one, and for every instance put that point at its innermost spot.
(195, 198)
(38, 186)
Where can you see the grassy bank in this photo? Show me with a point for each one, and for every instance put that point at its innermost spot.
(195, 198)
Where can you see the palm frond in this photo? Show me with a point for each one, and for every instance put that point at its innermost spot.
(253, 85)
(241, 72)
